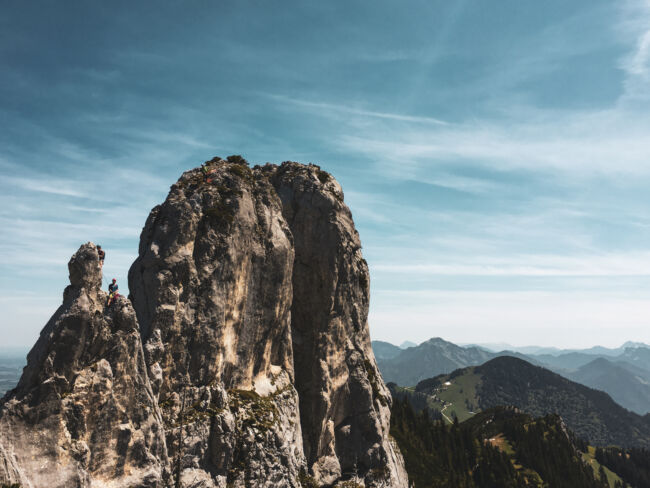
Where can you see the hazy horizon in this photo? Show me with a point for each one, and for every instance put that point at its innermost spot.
(497, 347)
(501, 346)
(495, 157)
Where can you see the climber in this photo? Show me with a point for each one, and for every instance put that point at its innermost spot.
(112, 292)
(101, 255)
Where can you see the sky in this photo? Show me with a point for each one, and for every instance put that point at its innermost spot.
(495, 155)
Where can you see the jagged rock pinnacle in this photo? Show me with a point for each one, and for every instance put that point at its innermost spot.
(83, 411)
(84, 268)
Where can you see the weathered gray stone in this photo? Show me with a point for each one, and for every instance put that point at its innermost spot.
(212, 289)
(249, 277)
(83, 413)
(251, 297)
(344, 404)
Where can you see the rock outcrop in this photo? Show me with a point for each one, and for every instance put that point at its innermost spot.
(344, 404)
(212, 289)
(249, 363)
(83, 413)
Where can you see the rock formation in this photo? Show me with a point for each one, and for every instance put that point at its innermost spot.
(344, 405)
(83, 413)
(251, 295)
(212, 289)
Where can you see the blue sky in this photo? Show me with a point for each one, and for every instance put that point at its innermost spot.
(495, 155)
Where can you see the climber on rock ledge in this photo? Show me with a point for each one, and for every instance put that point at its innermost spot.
(112, 292)
(102, 255)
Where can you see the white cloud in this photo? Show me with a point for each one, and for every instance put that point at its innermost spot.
(640, 60)
(46, 185)
(620, 264)
(634, 29)
(334, 109)
(580, 144)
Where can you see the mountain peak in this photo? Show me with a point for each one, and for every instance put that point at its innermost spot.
(437, 341)
(635, 345)
(249, 362)
(598, 362)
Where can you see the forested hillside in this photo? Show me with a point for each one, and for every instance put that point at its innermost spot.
(632, 465)
(592, 414)
(500, 448)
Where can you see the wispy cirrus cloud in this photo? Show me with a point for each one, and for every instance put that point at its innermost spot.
(636, 64)
(612, 264)
(326, 109)
(46, 185)
(605, 142)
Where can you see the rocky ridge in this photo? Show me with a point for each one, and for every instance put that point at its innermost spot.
(252, 359)
(84, 413)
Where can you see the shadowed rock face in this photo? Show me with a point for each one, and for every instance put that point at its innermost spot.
(344, 405)
(83, 412)
(251, 296)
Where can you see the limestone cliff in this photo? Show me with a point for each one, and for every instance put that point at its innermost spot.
(83, 413)
(212, 290)
(344, 405)
(249, 363)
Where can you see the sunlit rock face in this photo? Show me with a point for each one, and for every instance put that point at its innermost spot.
(84, 413)
(212, 288)
(249, 363)
(251, 287)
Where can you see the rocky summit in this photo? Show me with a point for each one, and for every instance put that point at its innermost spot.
(242, 357)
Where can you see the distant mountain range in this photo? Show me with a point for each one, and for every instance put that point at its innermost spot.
(508, 381)
(597, 350)
(623, 373)
(628, 388)
(385, 350)
(430, 358)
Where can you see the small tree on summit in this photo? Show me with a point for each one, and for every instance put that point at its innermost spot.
(237, 159)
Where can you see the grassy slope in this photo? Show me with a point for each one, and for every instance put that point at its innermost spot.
(590, 458)
(458, 399)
